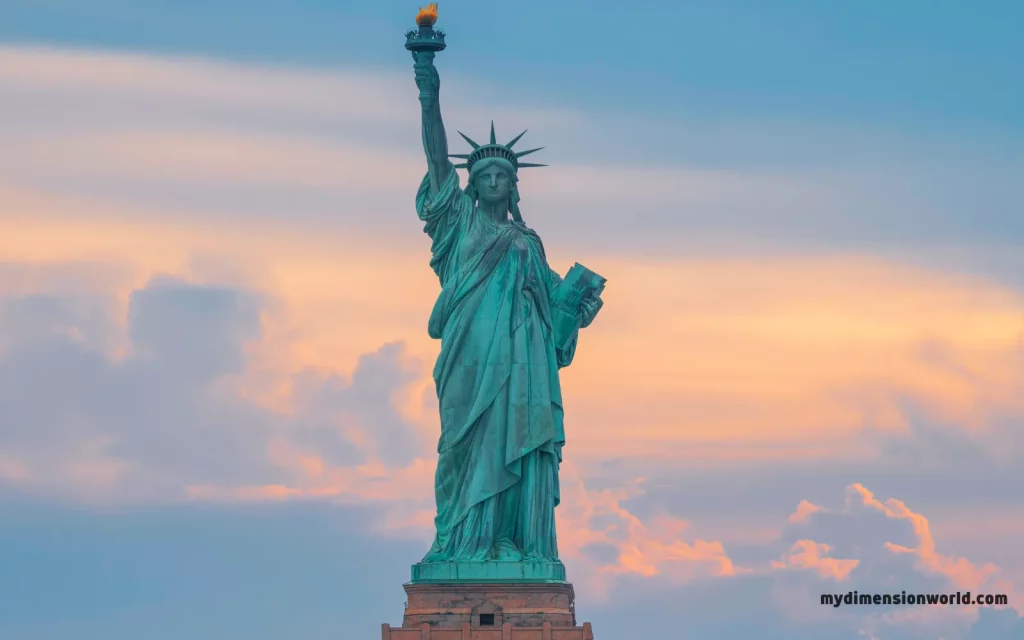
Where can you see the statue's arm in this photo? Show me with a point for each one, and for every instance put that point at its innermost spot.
(563, 355)
(435, 140)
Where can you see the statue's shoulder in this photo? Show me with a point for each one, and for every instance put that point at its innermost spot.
(521, 226)
(531, 234)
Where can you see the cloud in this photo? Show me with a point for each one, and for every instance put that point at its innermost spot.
(803, 512)
(835, 549)
(962, 573)
(80, 419)
(603, 540)
(372, 397)
(187, 80)
(171, 419)
(897, 552)
(232, 141)
(874, 371)
(198, 333)
(994, 624)
(167, 414)
(874, 375)
(807, 554)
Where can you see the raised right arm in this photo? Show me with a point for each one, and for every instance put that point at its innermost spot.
(435, 140)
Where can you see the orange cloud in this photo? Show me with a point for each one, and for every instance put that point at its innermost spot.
(88, 473)
(807, 554)
(772, 353)
(803, 512)
(647, 549)
(711, 360)
(410, 488)
(705, 360)
(962, 573)
(255, 493)
(209, 157)
(589, 518)
(405, 495)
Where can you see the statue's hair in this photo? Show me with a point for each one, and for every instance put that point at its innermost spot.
(513, 196)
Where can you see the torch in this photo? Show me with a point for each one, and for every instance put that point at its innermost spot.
(426, 39)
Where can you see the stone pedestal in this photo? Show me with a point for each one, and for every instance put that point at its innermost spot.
(489, 611)
(521, 605)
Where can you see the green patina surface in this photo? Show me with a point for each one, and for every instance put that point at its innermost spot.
(499, 318)
(488, 571)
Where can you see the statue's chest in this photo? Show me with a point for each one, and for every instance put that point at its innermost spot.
(495, 243)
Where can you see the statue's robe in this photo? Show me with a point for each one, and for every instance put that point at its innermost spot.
(497, 384)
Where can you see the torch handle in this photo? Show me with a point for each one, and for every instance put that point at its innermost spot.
(425, 57)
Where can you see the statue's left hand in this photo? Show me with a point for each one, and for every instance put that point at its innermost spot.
(588, 310)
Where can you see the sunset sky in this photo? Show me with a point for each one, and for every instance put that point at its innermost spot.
(217, 419)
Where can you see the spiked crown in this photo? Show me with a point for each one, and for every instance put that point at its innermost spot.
(494, 150)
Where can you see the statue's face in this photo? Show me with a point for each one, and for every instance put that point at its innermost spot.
(493, 185)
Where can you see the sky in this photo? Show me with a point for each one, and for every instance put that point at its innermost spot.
(217, 418)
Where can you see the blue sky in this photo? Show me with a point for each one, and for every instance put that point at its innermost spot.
(911, 65)
(193, 572)
(813, 213)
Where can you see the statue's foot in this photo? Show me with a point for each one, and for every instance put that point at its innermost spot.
(506, 551)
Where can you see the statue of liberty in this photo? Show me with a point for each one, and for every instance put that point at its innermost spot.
(497, 375)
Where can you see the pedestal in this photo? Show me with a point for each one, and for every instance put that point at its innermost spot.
(489, 611)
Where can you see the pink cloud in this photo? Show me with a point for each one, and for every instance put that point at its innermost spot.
(857, 529)
(704, 333)
(597, 518)
(245, 494)
(804, 511)
(962, 573)
(14, 470)
(807, 554)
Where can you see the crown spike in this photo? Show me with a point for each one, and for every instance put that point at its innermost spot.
(515, 140)
(467, 139)
(525, 165)
(464, 165)
(493, 139)
(528, 151)
(464, 156)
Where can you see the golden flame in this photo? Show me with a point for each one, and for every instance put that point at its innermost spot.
(427, 15)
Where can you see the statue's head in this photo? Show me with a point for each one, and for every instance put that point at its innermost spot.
(493, 180)
(493, 171)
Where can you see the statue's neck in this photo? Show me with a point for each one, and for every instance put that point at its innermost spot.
(494, 211)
